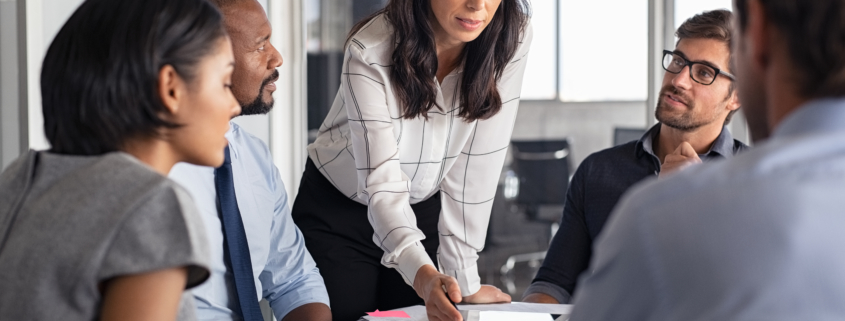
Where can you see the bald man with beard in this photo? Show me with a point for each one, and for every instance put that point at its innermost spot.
(257, 250)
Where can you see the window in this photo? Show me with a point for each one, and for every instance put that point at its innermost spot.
(685, 9)
(540, 80)
(599, 51)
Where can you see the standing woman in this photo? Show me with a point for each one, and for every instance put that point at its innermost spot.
(405, 168)
(91, 229)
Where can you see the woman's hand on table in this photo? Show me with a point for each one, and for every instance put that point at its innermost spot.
(438, 289)
(488, 294)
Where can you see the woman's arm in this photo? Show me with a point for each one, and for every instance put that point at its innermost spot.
(149, 296)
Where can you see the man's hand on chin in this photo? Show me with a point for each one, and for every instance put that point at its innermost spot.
(681, 158)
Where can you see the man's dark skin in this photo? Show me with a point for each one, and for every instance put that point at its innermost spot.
(256, 61)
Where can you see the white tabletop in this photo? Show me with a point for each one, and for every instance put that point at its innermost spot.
(504, 311)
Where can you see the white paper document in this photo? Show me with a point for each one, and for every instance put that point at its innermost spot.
(474, 315)
(520, 307)
(492, 312)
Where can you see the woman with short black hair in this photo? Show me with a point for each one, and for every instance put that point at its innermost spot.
(414, 145)
(92, 229)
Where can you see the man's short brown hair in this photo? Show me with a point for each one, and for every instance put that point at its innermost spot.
(717, 25)
(815, 35)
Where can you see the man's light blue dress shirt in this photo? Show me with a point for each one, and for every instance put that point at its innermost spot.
(285, 274)
(757, 237)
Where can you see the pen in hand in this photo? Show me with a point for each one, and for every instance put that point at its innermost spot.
(450, 301)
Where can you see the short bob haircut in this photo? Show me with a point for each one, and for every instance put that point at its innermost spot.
(99, 81)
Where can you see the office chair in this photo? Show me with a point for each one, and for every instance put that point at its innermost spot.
(542, 171)
(622, 135)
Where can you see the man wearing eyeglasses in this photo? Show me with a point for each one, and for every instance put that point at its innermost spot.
(758, 236)
(697, 100)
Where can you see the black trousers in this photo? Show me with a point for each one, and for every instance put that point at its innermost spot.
(340, 238)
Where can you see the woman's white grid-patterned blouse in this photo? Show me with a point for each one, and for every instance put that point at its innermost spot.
(375, 157)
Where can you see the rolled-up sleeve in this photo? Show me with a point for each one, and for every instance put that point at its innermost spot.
(290, 278)
(470, 185)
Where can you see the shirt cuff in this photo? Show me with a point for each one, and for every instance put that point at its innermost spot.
(550, 289)
(468, 279)
(309, 291)
(411, 260)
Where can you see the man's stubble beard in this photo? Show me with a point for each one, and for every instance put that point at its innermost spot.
(685, 122)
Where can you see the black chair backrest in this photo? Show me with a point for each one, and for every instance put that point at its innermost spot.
(624, 135)
(543, 169)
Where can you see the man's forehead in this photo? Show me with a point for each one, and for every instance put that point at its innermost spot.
(247, 19)
(712, 51)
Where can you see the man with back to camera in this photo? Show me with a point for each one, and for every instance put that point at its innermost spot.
(697, 100)
(257, 251)
(757, 237)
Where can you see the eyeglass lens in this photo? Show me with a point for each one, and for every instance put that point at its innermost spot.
(699, 72)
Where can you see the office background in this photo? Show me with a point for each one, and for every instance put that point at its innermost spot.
(566, 94)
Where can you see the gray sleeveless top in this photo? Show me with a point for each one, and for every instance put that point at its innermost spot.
(70, 223)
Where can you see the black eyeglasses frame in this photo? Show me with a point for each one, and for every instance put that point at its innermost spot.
(689, 65)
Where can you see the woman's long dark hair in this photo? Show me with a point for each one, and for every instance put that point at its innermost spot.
(99, 81)
(415, 57)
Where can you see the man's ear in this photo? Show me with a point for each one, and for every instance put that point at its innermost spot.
(733, 101)
(170, 88)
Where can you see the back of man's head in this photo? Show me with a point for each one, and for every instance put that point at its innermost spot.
(814, 33)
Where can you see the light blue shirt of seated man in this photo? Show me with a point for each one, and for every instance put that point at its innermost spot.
(756, 237)
(284, 272)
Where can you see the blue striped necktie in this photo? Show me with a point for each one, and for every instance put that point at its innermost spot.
(236, 242)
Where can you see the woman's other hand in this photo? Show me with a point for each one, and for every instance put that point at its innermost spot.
(488, 294)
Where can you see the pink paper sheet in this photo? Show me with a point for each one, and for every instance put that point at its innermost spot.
(389, 314)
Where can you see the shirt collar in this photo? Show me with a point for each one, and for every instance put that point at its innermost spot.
(646, 143)
(814, 117)
(230, 136)
(722, 146)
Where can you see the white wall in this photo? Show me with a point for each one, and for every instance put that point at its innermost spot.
(44, 18)
(288, 120)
